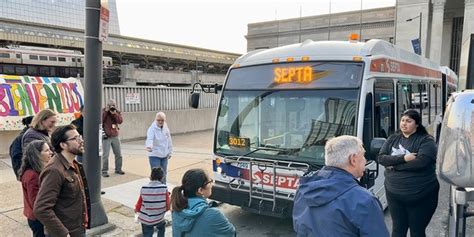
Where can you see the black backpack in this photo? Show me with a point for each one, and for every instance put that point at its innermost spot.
(16, 153)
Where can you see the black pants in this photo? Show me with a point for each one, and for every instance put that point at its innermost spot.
(36, 227)
(415, 215)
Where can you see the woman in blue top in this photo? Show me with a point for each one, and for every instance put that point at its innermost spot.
(192, 215)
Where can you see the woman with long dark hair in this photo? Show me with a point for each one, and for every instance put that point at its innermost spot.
(409, 157)
(192, 215)
(36, 155)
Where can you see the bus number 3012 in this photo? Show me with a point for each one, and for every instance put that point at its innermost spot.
(238, 142)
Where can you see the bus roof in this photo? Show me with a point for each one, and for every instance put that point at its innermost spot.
(335, 50)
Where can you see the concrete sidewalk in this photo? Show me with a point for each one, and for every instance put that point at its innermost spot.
(190, 150)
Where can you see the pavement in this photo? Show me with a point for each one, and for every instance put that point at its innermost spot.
(192, 150)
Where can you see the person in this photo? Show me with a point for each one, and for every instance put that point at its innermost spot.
(79, 123)
(331, 201)
(153, 203)
(37, 155)
(409, 158)
(16, 150)
(41, 127)
(191, 214)
(158, 143)
(62, 203)
(111, 118)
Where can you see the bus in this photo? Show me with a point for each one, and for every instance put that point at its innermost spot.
(47, 62)
(279, 106)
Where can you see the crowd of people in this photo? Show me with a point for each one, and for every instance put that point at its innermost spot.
(47, 160)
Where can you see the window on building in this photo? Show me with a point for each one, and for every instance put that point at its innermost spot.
(34, 57)
(4, 55)
(43, 58)
(53, 59)
(61, 59)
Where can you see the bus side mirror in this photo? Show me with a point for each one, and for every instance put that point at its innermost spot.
(375, 146)
(368, 180)
(194, 100)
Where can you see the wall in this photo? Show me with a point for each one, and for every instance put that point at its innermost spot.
(136, 124)
(179, 121)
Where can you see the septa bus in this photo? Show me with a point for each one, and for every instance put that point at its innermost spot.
(279, 106)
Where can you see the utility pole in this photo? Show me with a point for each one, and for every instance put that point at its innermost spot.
(360, 26)
(329, 21)
(92, 108)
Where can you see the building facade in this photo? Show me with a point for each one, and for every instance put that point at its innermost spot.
(58, 13)
(443, 28)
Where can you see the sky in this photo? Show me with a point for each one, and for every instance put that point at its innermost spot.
(219, 24)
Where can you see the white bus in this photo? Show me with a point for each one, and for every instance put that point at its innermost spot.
(279, 106)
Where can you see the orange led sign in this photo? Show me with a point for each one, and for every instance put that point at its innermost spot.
(293, 75)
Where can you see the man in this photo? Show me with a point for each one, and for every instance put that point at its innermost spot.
(62, 203)
(158, 143)
(111, 118)
(79, 123)
(330, 201)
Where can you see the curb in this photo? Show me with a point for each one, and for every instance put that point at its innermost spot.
(102, 229)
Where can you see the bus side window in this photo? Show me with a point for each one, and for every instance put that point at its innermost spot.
(404, 98)
(384, 100)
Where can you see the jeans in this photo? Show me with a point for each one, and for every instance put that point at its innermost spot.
(147, 230)
(162, 162)
(36, 227)
(113, 142)
(413, 215)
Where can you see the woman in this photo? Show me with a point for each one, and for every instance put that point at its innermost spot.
(409, 157)
(191, 213)
(158, 143)
(36, 155)
(41, 127)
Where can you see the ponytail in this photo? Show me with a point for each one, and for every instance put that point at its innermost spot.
(192, 180)
(178, 200)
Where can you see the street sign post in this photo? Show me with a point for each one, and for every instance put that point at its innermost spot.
(104, 20)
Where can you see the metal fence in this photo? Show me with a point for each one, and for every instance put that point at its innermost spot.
(143, 98)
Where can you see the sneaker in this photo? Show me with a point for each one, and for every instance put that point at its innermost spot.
(105, 175)
(120, 172)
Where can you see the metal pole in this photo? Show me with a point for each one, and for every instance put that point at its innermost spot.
(92, 99)
(419, 33)
(360, 26)
(329, 21)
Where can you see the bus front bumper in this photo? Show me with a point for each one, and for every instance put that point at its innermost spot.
(221, 192)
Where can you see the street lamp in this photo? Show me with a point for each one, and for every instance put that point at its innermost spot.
(419, 30)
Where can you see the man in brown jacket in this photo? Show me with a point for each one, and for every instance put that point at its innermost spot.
(62, 203)
(111, 118)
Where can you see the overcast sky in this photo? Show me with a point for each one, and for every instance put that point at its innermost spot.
(218, 24)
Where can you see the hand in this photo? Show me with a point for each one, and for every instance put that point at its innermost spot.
(409, 157)
(169, 157)
(148, 149)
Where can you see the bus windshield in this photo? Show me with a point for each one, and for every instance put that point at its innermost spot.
(289, 124)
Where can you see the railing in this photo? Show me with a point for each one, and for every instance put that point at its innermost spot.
(144, 98)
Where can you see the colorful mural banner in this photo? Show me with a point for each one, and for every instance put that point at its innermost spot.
(22, 96)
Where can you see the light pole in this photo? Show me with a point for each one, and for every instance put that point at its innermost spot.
(420, 16)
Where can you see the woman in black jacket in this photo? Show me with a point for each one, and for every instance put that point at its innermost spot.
(411, 186)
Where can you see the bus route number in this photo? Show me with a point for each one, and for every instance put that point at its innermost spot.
(239, 142)
(293, 75)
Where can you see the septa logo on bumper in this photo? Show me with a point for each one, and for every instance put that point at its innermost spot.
(282, 181)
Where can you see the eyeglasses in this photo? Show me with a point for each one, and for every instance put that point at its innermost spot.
(208, 182)
(78, 138)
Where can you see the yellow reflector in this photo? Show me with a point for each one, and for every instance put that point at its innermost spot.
(236, 65)
(290, 59)
(218, 161)
(305, 58)
(357, 58)
(354, 36)
(275, 60)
